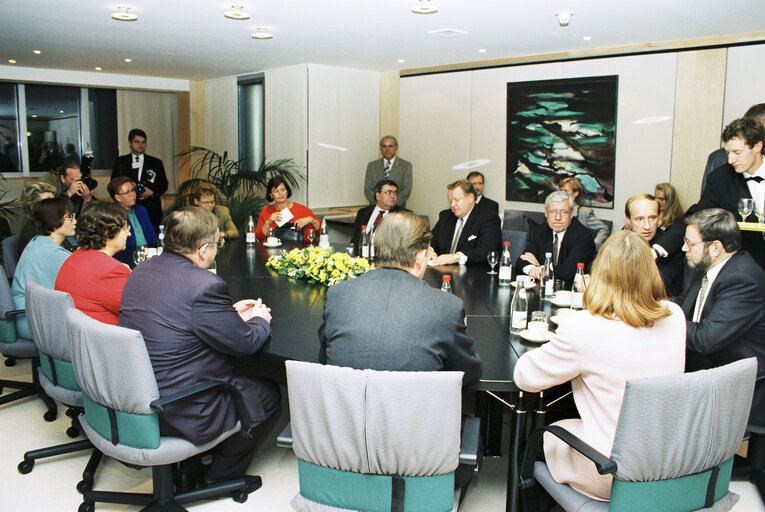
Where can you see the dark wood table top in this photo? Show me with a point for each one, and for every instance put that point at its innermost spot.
(297, 308)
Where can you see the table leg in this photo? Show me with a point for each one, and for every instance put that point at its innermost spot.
(517, 437)
(491, 413)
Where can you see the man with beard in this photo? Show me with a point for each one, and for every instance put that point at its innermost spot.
(724, 304)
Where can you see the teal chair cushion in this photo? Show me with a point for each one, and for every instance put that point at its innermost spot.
(134, 430)
(64, 372)
(7, 331)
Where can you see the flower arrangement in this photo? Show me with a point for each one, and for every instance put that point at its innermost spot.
(318, 265)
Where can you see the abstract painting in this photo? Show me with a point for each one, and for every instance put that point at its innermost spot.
(562, 128)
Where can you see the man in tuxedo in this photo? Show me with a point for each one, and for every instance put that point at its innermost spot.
(192, 332)
(476, 179)
(389, 167)
(742, 177)
(389, 318)
(386, 192)
(724, 304)
(67, 181)
(464, 234)
(145, 170)
(642, 213)
(563, 236)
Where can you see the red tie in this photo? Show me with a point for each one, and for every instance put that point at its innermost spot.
(380, 216)
(555, 249)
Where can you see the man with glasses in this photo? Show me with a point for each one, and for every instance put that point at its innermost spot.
(122, 191)
(204, 197)
(563, 236)
(386, 193)
(192, 331)
(389, 167)
(724, 304)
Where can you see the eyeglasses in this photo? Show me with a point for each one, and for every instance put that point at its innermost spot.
(560, 213)
(208, 203)
(693, 244)
(131, 191)
(390, 192)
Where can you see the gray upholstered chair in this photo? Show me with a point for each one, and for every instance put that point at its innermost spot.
(13, 347)
(375, 440)
(122, 404)
(674, 444)
(46, 313)
(10, 246)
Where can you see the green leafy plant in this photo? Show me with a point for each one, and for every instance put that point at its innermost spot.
(318, 265)
(242, 190)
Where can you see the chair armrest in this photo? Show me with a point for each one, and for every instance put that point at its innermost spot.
(470, 442)
(10, 315)
(603, 464)
(284, 439)
(159, 404)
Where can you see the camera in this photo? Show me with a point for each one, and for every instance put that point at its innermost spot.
(139, 188)
(86, 168)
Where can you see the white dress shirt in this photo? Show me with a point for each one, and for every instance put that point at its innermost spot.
(757, 190)
(137, 162)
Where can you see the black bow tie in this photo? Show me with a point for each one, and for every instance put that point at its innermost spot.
(756, 179)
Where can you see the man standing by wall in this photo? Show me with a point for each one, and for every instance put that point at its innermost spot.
(389, 167)
(147, 172)
(477, 180)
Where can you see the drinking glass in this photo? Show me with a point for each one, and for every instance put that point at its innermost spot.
(745, 207)
(538, 324)
(139, 254)
(493, 259)
(310, 233)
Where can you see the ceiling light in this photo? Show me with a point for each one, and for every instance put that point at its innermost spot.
(401, 61)
(482, 50)
(11, 61)
(61, 111)
(424, 7)
(123, 14)
(262, 33)
(128, 60)
(564, 18)
(37, 52)
(587, 38)
(236, 13)
(97, 68)
(34, 115)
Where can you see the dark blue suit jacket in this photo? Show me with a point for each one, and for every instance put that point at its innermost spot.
(480, 235)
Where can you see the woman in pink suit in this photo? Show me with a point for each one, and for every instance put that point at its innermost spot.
(626, 330)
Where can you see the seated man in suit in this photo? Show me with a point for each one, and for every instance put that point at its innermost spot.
(389, 167)
(464, 233)
(204, 197)
(476, 179)
(386, 192)
(563, 236)
(192, 332)
(724, 304)
(642, 212)
(389, 318)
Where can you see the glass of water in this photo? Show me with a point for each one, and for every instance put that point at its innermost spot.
(493, 259)
(745, 207)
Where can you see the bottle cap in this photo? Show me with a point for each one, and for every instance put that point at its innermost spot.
(548, 255)
(446, 278)
(364, 227)
(507, 244)
(580, 266)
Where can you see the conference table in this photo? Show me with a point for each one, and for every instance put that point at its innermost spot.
(297, 307)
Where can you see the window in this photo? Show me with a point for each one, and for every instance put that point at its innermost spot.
(53, 125)
(9, 135)
(251, 121)
(102, 116)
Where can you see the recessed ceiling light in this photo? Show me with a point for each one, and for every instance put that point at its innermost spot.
(128, 60)
(424, 7)
(482, 50)
(236, 13)
(11, 61)
(34, 115)
(37, 52)
(262, 33)
(98, 68)
(123, 15)
(61, 111)
(401, 61)
(587, 38)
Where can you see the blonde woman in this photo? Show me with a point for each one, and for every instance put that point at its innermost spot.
(626, 330)
(584, 214)
(670, 209)
(32, 193)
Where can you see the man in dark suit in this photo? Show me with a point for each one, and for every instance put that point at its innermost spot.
(389, 319)
(724, 304)
(370, 216)
(642, 213)
(742, 177)
(390, 167)
(147, 171)
(67, 180)
(563, 236)
(192, 330)
(476, 179)
(464, 233)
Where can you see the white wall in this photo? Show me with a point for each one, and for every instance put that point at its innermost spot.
(744, 81)
(221, 126)
(454, 118)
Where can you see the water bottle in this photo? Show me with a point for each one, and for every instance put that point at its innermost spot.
(519, 308)
(250, 236)
(505, 267)
(364, 242)
(578, 291)
(161, 237)
(371, 246)
(323, 235)
(446, 284)
(547, 289)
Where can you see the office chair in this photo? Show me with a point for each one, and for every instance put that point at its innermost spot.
(121, 419)
(10, 254)
(673, 449)
(377, 440)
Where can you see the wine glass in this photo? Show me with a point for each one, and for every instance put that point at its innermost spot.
(139, 254)
(310, 233)
(493, 259)
(745, 207)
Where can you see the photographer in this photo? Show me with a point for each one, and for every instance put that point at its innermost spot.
(67, 181)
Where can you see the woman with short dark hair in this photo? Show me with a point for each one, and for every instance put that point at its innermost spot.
(91, 275)
(43, 255)
(279, 191)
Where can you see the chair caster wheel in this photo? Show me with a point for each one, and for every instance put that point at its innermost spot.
(25, 466)
(239, 496)
(71, 413)
(84, 486)
(10, 362)
(86, 507)
(73, 432)
(50, 415)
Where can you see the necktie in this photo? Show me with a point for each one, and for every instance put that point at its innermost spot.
(387, 169)
(700, 300)
(756, 179)
(457, 234)
(380, 216)
(555, 249)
